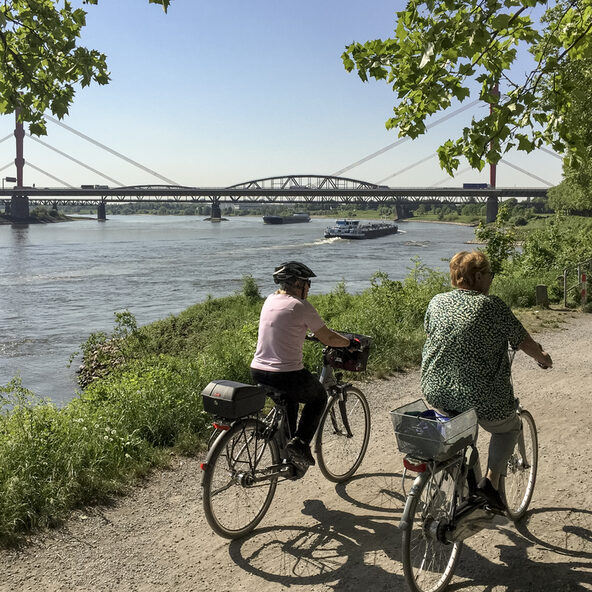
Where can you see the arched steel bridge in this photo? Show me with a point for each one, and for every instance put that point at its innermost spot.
(287, 189)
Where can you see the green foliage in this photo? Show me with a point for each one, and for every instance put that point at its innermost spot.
(53, 459)
(250, 289)
(499, 239)
(42, 62)
(443, 50)
(560, 243)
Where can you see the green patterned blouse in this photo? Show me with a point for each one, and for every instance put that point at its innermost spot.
(465, 357)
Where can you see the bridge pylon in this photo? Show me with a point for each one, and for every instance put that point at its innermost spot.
(101, 212)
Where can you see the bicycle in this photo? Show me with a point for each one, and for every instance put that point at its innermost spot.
(443, 507)
(248, 457)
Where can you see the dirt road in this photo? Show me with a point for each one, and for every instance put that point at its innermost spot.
(322, 537)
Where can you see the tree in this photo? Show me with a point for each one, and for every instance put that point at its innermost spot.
(575, 192)
(41, 62)
(447, 49)
(499, 239)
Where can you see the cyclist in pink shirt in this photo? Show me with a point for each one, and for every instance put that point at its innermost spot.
(286, 316)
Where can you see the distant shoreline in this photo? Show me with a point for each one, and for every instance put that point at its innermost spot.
(472, 224)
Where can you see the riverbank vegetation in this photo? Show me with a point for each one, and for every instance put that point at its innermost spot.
(38, 215)
(141, 396)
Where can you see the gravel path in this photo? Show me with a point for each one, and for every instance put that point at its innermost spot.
(322, 537)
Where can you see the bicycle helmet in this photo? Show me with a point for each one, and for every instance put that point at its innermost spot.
(291, 271)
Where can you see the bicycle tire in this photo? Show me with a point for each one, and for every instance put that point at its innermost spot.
(517, 486)
(343, 435)
(428, 560)
(234, 504)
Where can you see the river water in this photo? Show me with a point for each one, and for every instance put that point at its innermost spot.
(60, 282)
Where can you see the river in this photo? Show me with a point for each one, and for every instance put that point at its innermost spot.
(60, 282)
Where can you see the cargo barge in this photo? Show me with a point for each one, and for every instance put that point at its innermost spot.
(354, 229)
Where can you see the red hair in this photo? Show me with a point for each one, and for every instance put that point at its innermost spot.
(465, 265)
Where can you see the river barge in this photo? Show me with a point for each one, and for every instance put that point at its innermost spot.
(354, 229)
(294, 218)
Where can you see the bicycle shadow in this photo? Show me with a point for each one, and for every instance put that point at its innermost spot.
(519, 570)
(377, 492)
(341, 550)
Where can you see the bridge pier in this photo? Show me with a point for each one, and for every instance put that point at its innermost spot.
(402, 211)
(101, 212)
(216, 212)
(492, 208)
(19, 208)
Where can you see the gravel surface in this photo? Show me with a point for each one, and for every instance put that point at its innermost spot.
(322, 537)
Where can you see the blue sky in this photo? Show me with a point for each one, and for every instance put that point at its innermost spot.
(217, 93)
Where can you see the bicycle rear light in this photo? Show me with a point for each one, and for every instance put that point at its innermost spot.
(414, 465)
(203, 466)
(221, 426)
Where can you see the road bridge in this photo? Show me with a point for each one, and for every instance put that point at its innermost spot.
(287, 189)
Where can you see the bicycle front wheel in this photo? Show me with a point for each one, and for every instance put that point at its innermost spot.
(236, 492)
(343, 435)
(517, 486)
(429, 559)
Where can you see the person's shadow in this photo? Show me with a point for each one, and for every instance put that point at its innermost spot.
(336, 551)
(528, 562)
(345, 551)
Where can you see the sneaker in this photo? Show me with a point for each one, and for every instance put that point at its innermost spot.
(487, 491)
(299, 452)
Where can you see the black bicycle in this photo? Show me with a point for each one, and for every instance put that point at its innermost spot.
(247, 457)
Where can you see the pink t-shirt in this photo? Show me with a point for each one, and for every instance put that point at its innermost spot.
(282, 328)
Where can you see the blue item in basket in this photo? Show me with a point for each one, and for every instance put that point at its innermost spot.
(433, 414)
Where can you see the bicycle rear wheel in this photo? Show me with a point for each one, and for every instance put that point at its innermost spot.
(236, 494)
(517, 486)
(429, 559)
(343, 435)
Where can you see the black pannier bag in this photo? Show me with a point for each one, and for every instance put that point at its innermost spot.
(231, 400)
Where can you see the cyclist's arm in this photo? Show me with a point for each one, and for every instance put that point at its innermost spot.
(531, 348)
(329, 337)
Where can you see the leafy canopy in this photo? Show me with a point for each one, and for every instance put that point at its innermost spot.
(41, 62)
(449, 49)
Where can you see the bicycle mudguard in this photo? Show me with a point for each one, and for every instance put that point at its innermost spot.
(404, 522)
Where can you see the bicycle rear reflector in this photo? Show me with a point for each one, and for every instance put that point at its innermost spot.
(221, 426)
(413, 465)
(203, 466)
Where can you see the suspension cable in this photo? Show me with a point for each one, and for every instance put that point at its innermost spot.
(404, 139)
(411, 166)
(456, 174)
(110, 150)
(527, 173)
(50, 175)
(76, 161)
